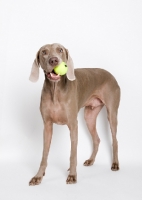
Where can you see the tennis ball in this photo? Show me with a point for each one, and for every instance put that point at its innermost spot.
(61, 69)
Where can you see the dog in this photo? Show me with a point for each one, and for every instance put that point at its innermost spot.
(63, 96)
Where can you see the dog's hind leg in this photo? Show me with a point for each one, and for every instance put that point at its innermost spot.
(90, 115)
(112, 117)
(112, 110)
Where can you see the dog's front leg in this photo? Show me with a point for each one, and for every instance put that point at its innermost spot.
(72, 177)
(36, 180)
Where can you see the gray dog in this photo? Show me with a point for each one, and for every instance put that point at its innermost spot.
(63, 96)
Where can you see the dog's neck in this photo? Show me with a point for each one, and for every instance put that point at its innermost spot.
(56, 88)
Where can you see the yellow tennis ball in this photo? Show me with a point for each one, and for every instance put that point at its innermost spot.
(61, 69)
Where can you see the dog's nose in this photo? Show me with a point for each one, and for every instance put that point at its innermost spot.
(53, 61)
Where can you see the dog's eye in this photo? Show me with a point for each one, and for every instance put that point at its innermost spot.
(61, 50)
(44, 52)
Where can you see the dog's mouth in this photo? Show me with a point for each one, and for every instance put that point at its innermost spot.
(52, 76)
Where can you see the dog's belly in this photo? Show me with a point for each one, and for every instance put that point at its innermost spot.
(93, 102)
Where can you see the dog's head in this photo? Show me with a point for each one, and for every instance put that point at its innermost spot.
(48, 57)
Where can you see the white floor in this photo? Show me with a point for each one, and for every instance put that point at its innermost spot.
(95, 182)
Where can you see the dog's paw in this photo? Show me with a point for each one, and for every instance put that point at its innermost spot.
(71, 179)
(35, 181)
(115, 167)
(88, 162)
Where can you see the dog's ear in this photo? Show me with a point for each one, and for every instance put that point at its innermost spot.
(70, 72)
(35, 69)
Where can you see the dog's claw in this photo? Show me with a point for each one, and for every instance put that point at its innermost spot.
(115, 167)
(88, 162)
(71, 179)
(35, 181)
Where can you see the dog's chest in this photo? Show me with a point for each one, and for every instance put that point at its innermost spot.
(56, 112)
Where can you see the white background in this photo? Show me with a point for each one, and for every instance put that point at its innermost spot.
(98, 33)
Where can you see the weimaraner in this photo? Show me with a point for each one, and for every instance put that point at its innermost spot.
(63, 96)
